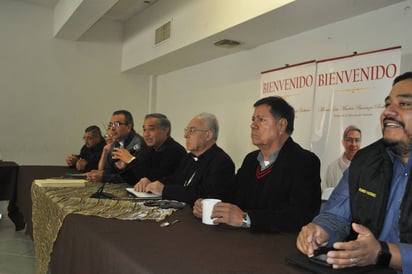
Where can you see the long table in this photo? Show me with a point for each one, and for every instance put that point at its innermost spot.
(51, 205)
(88, 244)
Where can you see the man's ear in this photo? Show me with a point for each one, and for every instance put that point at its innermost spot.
(283, 124)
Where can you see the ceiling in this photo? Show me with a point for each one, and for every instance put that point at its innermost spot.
(122, 11)
(294, 18)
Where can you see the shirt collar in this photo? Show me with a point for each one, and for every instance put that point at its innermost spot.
(204, 154)
(272, 159)
(395, 158)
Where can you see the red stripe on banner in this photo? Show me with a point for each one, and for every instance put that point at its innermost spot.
(289, 66)
(380, 50)
(357, 54)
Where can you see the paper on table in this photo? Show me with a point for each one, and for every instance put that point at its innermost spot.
(143, 195)
(60, 182)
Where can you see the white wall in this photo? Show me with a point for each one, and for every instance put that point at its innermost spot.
(52, 89)
(229, 86)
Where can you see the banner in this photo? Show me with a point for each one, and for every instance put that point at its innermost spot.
(296, 84)
(351, 91)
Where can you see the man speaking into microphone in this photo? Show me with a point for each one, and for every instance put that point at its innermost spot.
(121, 127)
(162, 156)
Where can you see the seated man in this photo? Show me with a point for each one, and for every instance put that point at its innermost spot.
(206, 171)
(121, 128)
(89, 156)
(277, 188)
(352, 137)
(368, 216)
(163, 156)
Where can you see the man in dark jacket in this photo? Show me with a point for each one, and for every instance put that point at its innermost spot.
(205, 172)
(89, 156)
(121, 127)
(368, 216)
(277, 188)
(163, 154)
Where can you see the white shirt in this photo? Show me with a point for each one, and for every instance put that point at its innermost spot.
(333, 175)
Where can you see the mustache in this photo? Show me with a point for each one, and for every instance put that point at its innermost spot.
(386, 119)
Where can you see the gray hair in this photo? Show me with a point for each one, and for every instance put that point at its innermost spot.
(164, 122)
(349, 129)
(211, 123)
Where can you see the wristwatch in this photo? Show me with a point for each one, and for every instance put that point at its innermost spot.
(384, 255)
(246, 220)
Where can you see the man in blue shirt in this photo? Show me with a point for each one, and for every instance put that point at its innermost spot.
(367, 217)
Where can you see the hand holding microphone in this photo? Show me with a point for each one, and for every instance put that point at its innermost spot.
(123, 154)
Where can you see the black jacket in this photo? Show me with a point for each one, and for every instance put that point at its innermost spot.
(92, 155)
(207, 176)
(287, 197)
(157, 163)
(370, 176)
(135, 145)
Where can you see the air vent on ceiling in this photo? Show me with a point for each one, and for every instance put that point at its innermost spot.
(162, 33)
(226, 43)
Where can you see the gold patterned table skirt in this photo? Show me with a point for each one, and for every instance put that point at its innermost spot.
(52, 204)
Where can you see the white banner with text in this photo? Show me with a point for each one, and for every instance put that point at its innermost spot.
(330, 95)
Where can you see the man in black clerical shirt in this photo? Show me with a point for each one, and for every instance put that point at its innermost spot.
(205, 172)
(162, 157)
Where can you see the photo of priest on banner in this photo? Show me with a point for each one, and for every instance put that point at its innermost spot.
(351, 142)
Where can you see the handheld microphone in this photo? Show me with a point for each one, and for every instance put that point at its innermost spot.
(135, 149)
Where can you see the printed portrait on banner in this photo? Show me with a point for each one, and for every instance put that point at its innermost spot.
(350, 91)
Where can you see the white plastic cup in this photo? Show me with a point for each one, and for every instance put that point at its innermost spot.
(207, 208)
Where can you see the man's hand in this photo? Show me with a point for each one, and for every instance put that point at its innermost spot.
(156, 188)
(229, 214)
(197, 208)
(360, 252)
(141, 185)
(122, 154)
(81, 164)
(311, 237)
(71, 160)
(94, 175)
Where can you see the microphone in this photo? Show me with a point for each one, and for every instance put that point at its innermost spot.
(135, 149)
(99, 194)
(116, 144)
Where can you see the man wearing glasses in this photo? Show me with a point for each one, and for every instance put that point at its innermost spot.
(89, 156)
(207, 171)
(121, 127)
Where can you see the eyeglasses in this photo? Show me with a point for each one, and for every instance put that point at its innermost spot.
(108, 135)
(115, 124)
(352, 140)
(190, 130)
